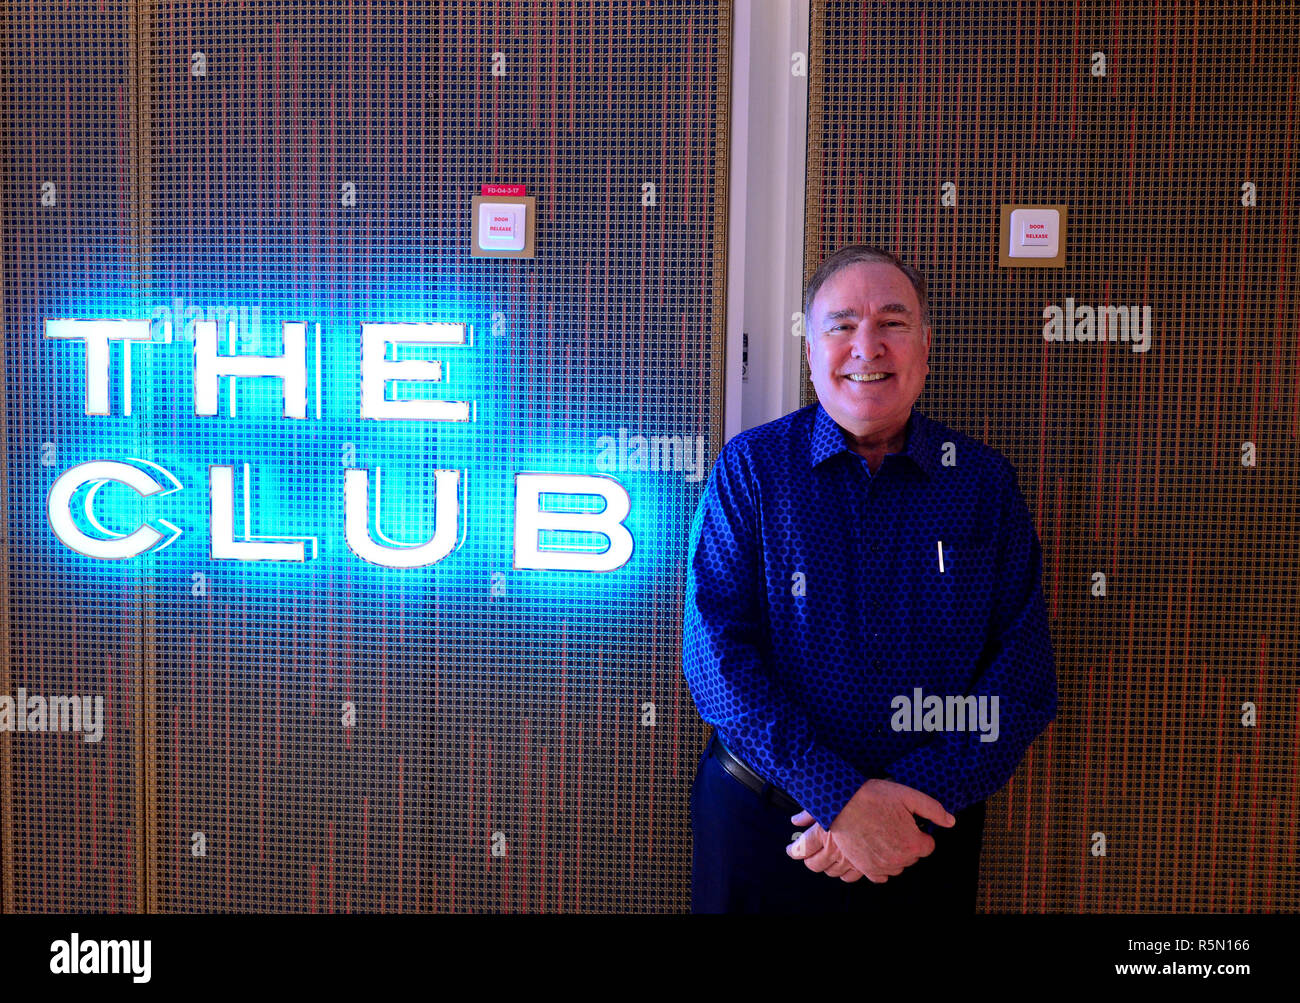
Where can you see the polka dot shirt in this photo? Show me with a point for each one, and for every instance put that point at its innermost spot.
(841, 625)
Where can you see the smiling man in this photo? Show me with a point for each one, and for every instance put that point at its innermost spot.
(864, 627)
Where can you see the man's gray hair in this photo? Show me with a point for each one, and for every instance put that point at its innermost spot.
(855, 254)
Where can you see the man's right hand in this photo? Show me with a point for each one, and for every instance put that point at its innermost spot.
(876, 833)
(810, 841)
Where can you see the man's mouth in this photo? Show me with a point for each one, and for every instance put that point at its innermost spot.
(868, 377)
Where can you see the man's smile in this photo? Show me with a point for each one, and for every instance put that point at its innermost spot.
(868, 377)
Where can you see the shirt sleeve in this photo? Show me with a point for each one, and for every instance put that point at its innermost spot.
(1016, 666)
(726, 653)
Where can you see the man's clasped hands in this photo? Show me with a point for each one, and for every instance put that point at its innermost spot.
(875, 835)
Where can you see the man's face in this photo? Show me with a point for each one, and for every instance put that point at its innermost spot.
(867, 319)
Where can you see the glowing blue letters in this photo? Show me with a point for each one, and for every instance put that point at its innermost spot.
(70, 505)
(70, 521)
(389, 553)
(530, 520)
(290, 368)
(377, 371)
(97, 334)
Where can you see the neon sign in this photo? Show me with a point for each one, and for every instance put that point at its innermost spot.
(70, 505)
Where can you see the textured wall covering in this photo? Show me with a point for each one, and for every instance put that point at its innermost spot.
(330, 735)
(1162, 482)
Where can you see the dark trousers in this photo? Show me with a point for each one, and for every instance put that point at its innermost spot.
(739, 862)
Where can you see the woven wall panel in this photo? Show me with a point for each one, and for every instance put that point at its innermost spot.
(329, 735)
(1167, 129)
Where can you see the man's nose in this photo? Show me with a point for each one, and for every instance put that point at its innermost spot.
(868, 341)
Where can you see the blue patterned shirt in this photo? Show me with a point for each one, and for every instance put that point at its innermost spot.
(815, 600)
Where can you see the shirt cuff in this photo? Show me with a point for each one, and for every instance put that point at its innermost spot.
(920, 770)
(824, 784)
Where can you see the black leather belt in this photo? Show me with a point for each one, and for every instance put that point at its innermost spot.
(754, 781)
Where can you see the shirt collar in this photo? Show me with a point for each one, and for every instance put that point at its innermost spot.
(921, 449)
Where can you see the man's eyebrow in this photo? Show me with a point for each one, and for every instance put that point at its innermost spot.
(849, 311)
